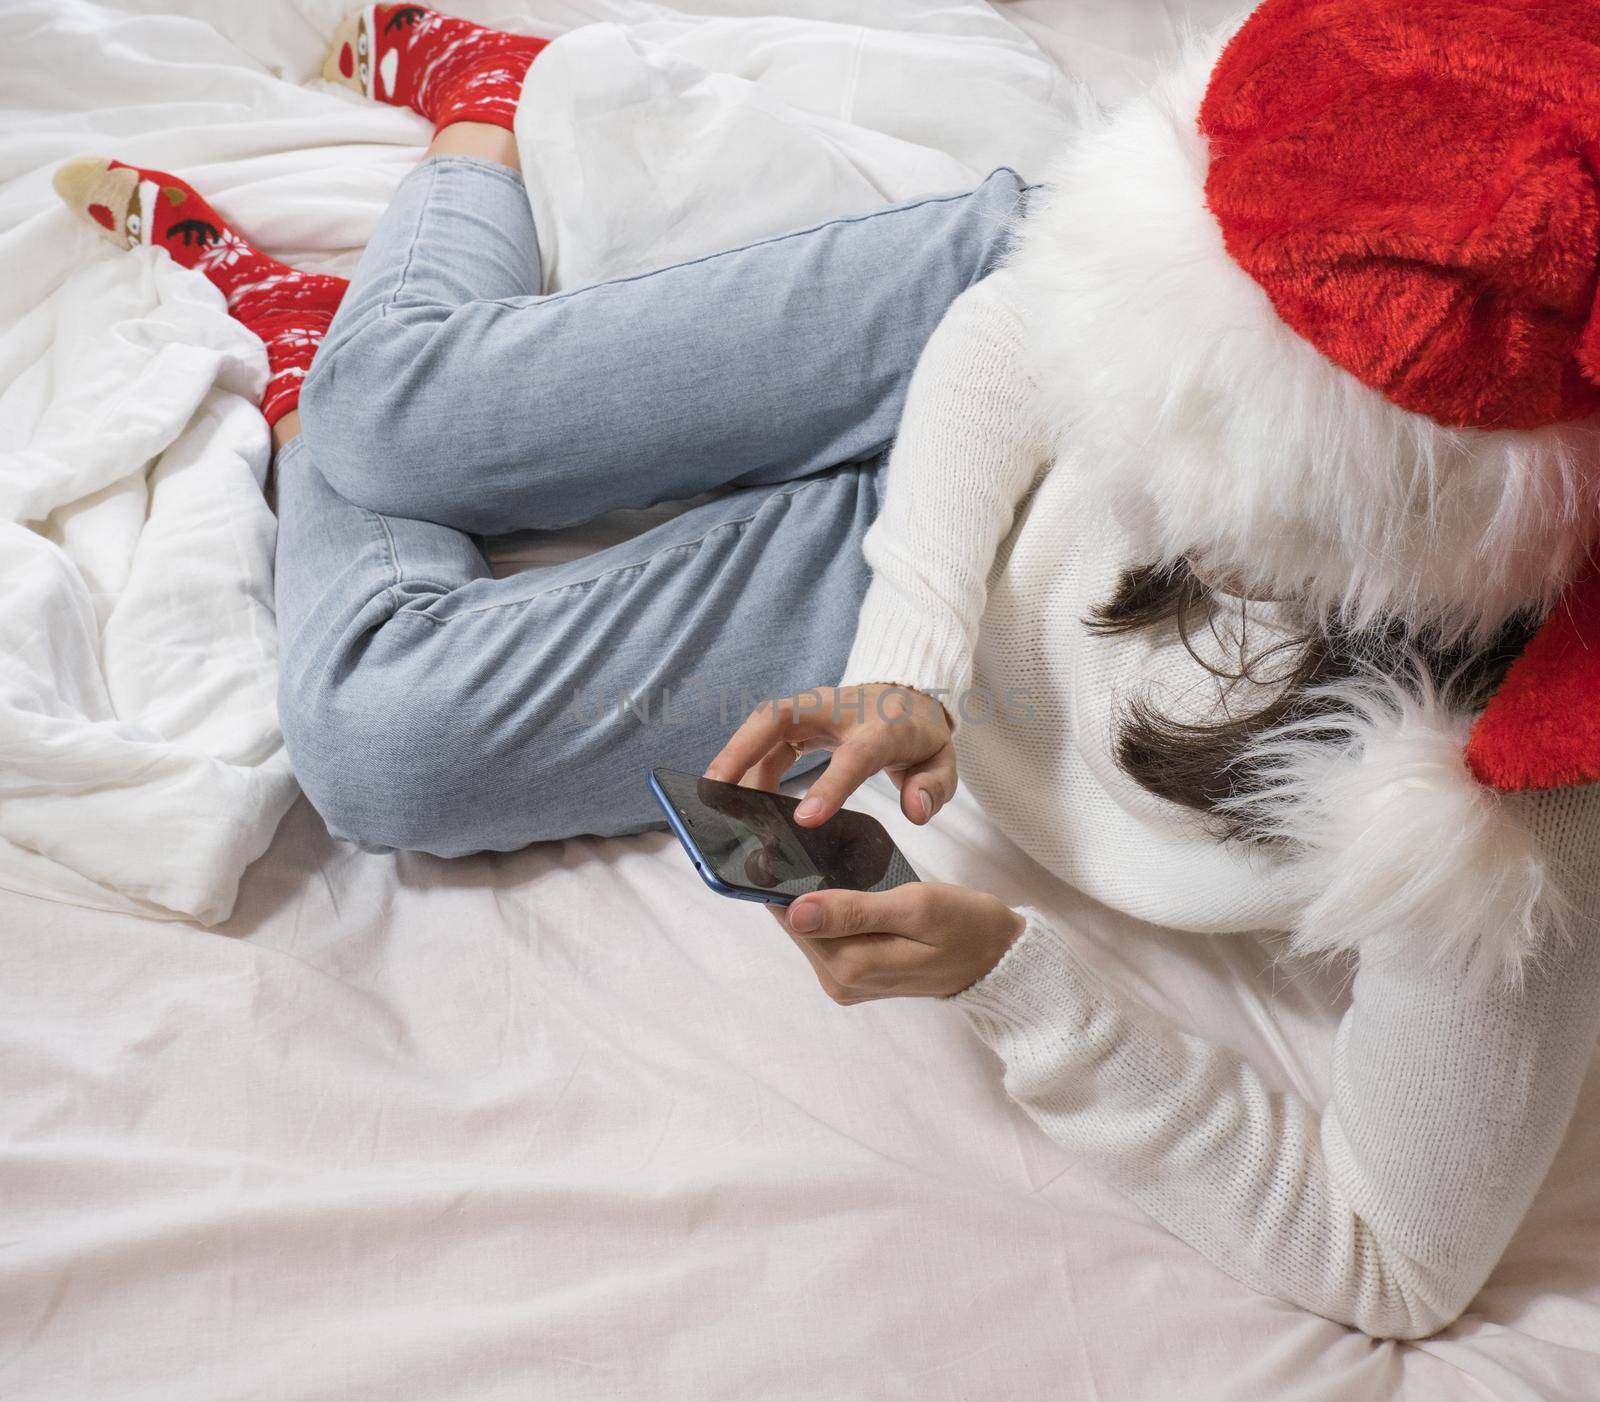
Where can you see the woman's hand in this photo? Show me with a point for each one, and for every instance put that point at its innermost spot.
(869, 728)
(922, 940)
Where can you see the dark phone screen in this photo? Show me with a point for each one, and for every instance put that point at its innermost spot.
(749, 839)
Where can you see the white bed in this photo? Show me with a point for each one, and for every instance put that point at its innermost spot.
(562, 1124)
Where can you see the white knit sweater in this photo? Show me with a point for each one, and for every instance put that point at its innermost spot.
(1388, 1209)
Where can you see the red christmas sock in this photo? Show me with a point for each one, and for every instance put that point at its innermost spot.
(288, 309)
(448, 69)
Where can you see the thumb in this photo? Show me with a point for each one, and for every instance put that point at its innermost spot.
(925, 788)
(828, 914)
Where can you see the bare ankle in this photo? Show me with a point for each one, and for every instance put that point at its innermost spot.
(286, 428)
(480, 139)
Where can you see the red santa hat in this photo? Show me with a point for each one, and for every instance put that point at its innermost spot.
(1321, 310)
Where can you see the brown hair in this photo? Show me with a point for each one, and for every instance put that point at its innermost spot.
(1206, 764)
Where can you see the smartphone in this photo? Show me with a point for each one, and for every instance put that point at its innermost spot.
(746, 844)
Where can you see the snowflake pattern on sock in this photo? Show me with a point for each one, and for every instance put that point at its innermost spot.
(448, 69)
(288, 309)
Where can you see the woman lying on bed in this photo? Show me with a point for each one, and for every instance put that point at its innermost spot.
(1228, 498)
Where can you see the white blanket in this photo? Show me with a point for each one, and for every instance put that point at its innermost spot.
(140, 763)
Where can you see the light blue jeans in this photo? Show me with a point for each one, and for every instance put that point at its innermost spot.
(426, 704)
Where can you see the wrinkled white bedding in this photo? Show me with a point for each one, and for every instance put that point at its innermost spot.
(559, 1124)
(140, 762)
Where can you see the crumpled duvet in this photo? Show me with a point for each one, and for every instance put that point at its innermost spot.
(140, 761)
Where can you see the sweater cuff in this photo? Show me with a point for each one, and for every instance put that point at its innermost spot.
(898, 648)
(1039, 991)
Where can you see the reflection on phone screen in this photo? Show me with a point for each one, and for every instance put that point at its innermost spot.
(749, 839)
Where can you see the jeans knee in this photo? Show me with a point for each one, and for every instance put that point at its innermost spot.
(378, 765)
(354, 405)
(394, 764)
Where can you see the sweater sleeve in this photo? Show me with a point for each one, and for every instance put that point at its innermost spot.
(1386, 1212)
(967, 453)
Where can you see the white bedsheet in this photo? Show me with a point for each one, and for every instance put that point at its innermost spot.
(562, 1124)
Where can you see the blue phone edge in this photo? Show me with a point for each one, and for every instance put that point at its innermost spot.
(715, 882)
